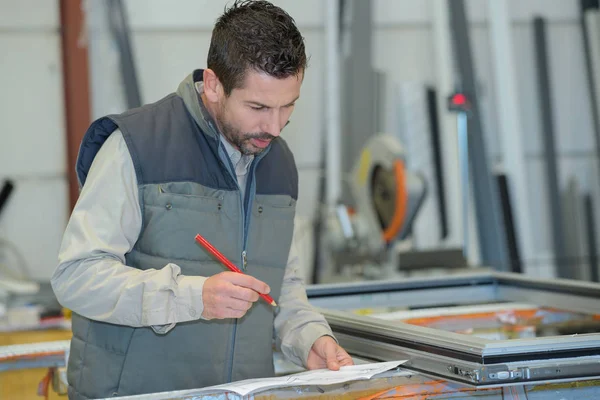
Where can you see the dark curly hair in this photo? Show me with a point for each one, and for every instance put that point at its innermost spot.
(255, 34)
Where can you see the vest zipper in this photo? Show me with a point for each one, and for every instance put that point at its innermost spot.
(246, 210)
(244, 238)
(243, 214)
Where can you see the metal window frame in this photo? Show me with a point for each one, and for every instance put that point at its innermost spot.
(463, 358)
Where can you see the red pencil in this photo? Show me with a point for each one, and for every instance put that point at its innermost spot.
(229, 264)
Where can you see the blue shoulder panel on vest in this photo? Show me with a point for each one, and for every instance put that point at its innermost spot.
(165, 145)
(93, 139)
(277, 171)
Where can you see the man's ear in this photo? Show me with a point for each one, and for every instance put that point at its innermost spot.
(213, 90)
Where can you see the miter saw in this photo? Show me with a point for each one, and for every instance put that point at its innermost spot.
(363, 239)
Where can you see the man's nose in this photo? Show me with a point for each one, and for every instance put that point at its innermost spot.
(273, 124)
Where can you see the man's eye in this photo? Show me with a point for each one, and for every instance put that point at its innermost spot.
(258, 108)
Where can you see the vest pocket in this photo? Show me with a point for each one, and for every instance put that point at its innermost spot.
(174, 213)
(279, 207)
(182, 196)
(271, 230)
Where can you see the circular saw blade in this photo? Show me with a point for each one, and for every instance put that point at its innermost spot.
(383, 188)
(389, 199)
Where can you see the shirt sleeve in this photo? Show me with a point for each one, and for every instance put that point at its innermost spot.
(297, 324)
(92, 279)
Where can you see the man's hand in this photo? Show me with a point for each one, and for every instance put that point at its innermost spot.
(230, 295)
(326, 353)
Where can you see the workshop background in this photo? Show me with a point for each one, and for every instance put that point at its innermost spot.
(494, 105)
(408, 44)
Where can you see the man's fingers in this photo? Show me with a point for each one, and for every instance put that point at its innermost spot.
(230, 295)
(333, 365)
(241, 293)
(238, 305)
(247, 281)
(344, 358)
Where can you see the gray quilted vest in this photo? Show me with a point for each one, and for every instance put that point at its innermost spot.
(187, 186)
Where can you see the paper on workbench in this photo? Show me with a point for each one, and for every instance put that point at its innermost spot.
(315, 377)
(320, 377)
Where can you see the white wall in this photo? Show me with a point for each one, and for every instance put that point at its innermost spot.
(170, 39)
(32, 149)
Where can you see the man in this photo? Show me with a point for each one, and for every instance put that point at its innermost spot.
(152, 310)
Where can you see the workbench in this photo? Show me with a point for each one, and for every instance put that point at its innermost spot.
(22, 384)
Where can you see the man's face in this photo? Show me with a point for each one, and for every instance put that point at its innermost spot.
(255, 113)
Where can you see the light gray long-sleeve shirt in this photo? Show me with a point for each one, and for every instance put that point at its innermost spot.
(93, 280)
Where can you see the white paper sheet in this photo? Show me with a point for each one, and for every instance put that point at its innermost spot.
(315, 377)
(320, 377)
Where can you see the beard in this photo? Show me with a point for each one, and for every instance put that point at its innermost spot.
(242, 140)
